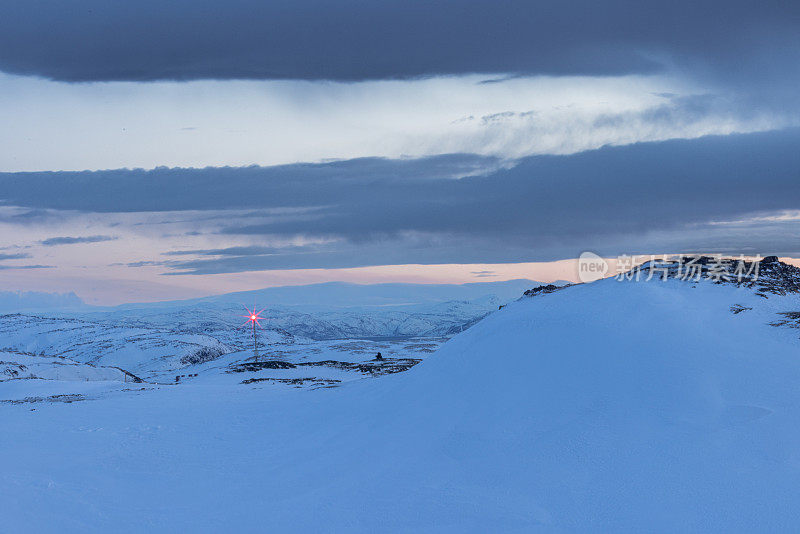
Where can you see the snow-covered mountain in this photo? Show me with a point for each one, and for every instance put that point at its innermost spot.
(333, 310)
(343, 295)
(159, 337)
(16, 301)
(615, 406)
(222, 319)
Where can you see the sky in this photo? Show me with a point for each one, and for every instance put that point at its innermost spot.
(151, 151)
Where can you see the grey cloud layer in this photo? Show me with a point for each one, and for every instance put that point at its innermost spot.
(15, 256)
(285, 186)
(378, 212)
(66, 240)
(89, 40)
(24, 267)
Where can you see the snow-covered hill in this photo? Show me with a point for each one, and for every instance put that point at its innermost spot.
(16, 301)
(610, 407)
(108, 343)
(149, 339)
(222, 319)
(343, 295)
(333, 310)
(16, 365)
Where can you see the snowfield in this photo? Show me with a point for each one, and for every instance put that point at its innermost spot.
(606, 407)
(155, 339)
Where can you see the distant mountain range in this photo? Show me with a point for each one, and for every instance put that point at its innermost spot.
(16, 301)
(337, 295)
(153, 337)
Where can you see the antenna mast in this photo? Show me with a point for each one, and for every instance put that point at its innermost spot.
(255, 343)
(252, 317)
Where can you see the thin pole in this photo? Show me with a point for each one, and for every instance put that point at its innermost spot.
(255, 342)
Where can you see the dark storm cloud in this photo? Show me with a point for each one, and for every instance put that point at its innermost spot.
(90, 40)
(378, 212)
(638, 186)
(53, 241)
(283, 186)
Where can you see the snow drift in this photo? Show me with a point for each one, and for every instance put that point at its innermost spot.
(612, 406)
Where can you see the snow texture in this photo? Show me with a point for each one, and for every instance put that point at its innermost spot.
(605, 407)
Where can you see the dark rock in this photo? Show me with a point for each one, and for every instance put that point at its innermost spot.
(65, 398)
(296, 382)
(791, 320)
(768, 276)
(541, 290)
(260, 366)
(375, 368)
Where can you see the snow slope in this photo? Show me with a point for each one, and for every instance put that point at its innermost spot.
(139, 349)
(29, 366)
(607, 407)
